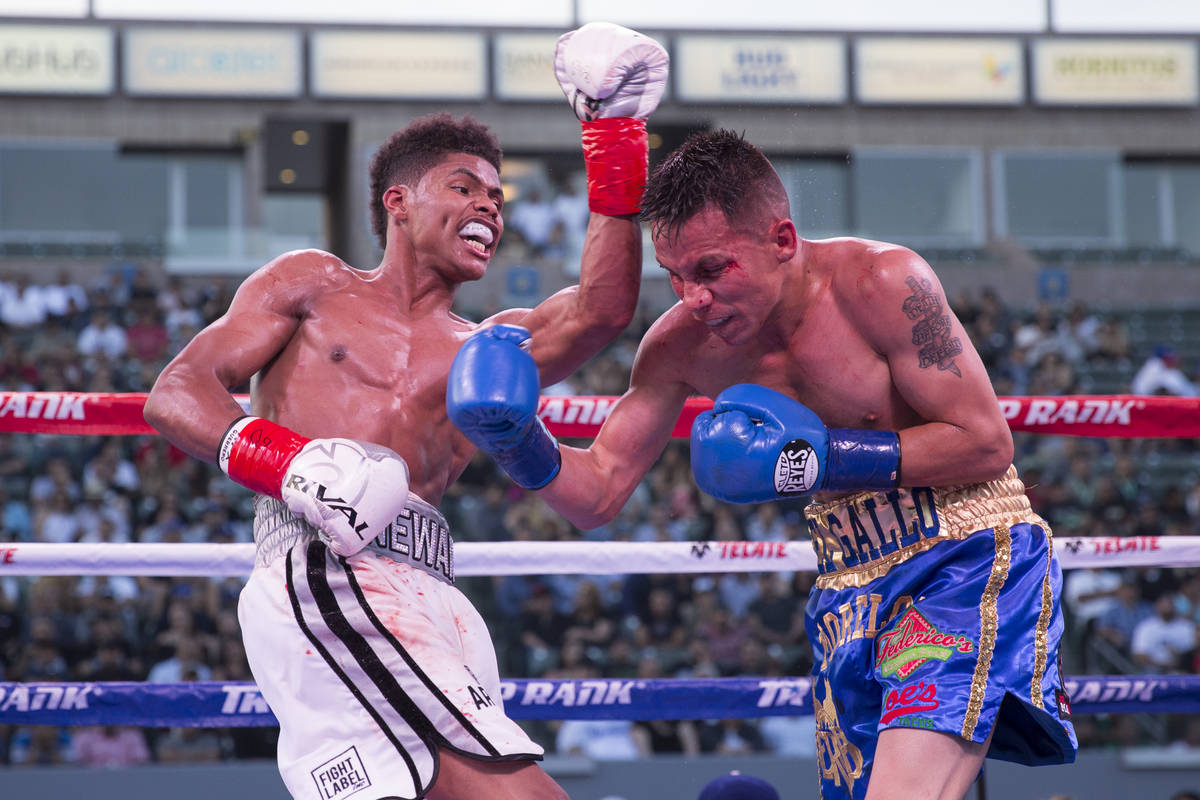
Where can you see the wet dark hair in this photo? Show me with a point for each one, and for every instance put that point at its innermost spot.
(718, 168)
(410, 152)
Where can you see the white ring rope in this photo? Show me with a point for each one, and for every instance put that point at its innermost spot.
(550, 558)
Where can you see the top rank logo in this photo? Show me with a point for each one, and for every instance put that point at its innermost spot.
(796, 469)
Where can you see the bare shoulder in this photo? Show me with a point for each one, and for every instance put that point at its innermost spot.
(671, 348)
(864, 273)
(294, 278)
(311, 266)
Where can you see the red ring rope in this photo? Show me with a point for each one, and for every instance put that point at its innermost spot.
(1115, 416)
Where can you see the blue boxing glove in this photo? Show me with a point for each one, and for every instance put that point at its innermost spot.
(757, 445)
(492, 396)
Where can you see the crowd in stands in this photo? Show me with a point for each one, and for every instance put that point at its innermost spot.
(116, 334)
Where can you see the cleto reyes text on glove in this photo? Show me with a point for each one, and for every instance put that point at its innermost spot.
(613, 77)
(349, 491)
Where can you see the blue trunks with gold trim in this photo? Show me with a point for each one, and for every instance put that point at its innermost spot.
(935, 609)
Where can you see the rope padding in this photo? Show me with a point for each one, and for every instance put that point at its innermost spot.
(550, 558)
(1118, 416)
(240, 704)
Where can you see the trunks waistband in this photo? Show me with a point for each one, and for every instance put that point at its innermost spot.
(418, 537)
(861, 536)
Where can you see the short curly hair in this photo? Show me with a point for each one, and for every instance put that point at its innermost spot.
(718, 168)
(411, 151)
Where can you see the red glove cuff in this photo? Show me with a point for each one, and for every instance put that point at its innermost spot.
(616, 153)
(256, 452)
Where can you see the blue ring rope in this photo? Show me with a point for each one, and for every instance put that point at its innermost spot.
(239, 704)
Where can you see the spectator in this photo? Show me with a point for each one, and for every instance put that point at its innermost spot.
(1088, 594)
(598, 739)
(102, 336)
(536, 221)
(1160, 374)
(1112, 342)
(187, 660)
(664, 735)
(738, 591)
(56, 521)
(147, 335)
(189, 745)
(1082, 327)
(1116, 625)
(22, 305)
(1164, 641)
(736, 786)
(723, 636)
(791, 737)
(766, 524)
(543, 630)
(109, 746)
(63, 297)
(730, 737)
(590, 624)
(777, 615)
(662, 623)
(40, 745)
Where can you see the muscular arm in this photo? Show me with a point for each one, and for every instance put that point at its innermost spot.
(901, 308)
(574, 324)
(594, 484)
(190, 403)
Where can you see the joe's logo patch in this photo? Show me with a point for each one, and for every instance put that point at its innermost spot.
(341, 776)
(909, 700)
(913, 642)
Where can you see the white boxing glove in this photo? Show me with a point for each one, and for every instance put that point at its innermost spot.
(348, 490)
(608, 71)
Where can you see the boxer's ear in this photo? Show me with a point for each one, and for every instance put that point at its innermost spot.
(784, 238)
(396, 200)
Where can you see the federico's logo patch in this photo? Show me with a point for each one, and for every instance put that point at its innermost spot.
(913, 642)
(341, 776)
(796, 469)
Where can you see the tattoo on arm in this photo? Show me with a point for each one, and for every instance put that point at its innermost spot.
(931, 332)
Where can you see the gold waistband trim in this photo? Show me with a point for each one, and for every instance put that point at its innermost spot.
(860, 536)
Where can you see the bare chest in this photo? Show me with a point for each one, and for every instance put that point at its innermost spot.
(381, 380)
(828, 368)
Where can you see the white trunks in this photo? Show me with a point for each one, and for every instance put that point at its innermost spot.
(371, 663)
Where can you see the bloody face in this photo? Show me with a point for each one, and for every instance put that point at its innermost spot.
(727, 276)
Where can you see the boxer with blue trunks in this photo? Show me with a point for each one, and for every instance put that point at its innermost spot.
(921, 618)
(935, 619)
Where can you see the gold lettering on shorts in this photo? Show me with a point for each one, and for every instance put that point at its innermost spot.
(847, 623)
(838, 759)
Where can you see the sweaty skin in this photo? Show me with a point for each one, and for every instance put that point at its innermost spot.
(364, 354)
(859, 331)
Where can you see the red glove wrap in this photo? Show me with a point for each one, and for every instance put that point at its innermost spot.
(616, 152)
(258, 456)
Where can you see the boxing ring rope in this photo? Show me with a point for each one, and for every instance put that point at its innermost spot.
(473, 559)
(1115, 416)
(212, 704)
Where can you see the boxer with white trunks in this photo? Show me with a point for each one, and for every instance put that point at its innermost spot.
(380, 672)
(936, 617)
